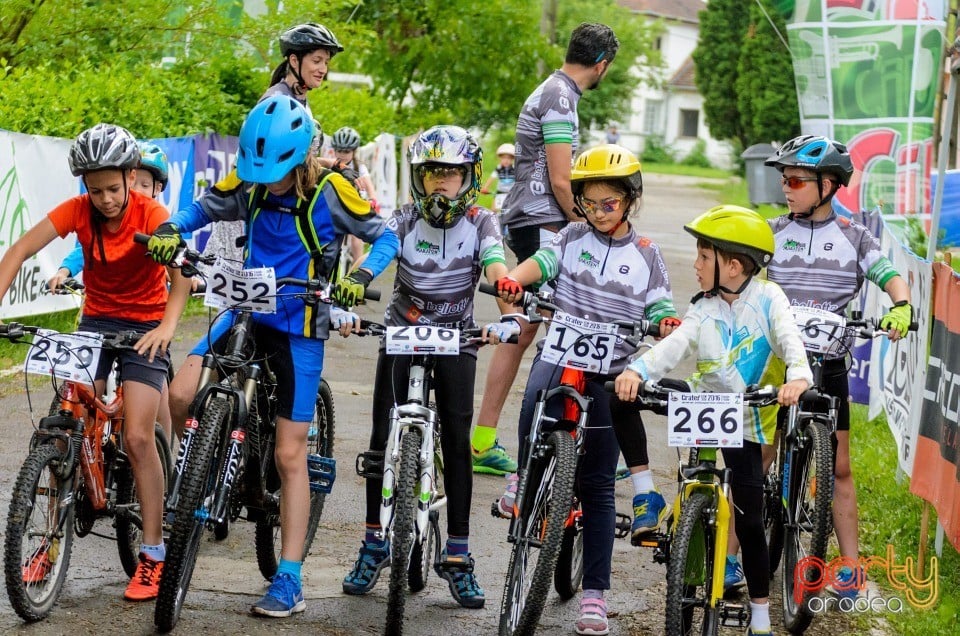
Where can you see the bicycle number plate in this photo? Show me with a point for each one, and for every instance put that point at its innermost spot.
(705, 420)
(411, 341)
(68, 356)
(820, 330)
(230, 286)
(498, 201)
(577, 343)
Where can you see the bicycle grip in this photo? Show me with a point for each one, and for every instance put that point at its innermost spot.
(488, 288)
(371, 294)
(608, 386)
(141, 238)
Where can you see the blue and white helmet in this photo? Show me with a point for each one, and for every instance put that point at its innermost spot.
(275, 138)
(451, 146)
(820, 154)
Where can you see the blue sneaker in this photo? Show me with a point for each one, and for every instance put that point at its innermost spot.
(457, 571)
(733, 578)
(493, 461)
(849, 583)
(285, 597)
(649, 511)
(366, 570)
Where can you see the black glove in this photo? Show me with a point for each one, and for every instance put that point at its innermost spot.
(164, 243)
(350, 290)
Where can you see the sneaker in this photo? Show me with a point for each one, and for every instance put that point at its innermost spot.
(366, 570)
(283, 598)
(509, 497)
(145, 584)
(622, 472)
(733, 577)
(38, 568)
(649, 511)
(759, 632)
(593, 617)
(849, 583)
(457, 570)
(493, 461)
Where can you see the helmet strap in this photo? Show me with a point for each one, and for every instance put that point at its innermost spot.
(815, 206)
(300, 87)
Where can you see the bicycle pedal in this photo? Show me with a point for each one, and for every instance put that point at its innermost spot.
(496, 512)
(370, 464)
(622, 528)
(322, 472)
(647, 540)
(734, 615)
(454, 562)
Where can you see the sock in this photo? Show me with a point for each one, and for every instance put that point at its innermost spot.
(483, 437)
(289, 567)
(155, 552)
(370, 537)
(760, 616)
(732, 559)
(642, 481)
(458, 545)
(593, 594)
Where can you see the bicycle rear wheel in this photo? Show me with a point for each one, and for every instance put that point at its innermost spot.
(811, 494)
(129, 523)
(403, 528)
(569, 573)
(197, 486)
(690, 571)
(39, 534)
(547, 494)
(773, 508)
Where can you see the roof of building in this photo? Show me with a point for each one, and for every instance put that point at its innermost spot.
(685, 76)
(683, 10)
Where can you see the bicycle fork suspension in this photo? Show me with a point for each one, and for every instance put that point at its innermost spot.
(190, 427)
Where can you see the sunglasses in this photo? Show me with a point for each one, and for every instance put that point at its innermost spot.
(795, 183)
(442, 172)
(607, 206)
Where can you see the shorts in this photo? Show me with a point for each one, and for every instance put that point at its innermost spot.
(297, 384)
(525, 241)
(835, 381)
(133, 366)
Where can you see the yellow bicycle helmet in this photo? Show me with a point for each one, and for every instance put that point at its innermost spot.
(735, 229)
(607, 162)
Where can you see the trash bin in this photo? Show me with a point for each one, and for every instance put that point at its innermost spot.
(763, 182)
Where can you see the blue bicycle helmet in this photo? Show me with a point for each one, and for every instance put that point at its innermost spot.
(275, 138)
(154, 161)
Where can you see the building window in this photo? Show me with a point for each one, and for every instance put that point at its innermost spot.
(658, 44)
(651, 116)
(689, 121)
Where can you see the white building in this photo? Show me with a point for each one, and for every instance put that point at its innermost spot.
(674, 111)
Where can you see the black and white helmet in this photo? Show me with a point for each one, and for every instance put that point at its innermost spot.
(307, 37)
(101, 147)
(345, 139)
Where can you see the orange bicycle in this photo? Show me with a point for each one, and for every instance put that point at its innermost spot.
(75, 473)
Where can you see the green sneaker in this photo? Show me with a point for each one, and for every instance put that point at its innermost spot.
(493, 461)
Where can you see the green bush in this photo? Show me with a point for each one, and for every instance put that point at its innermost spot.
(655, 151)
(697, 156)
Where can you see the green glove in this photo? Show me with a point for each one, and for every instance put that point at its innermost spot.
(164, 243)
(350, 290)
(898, 318)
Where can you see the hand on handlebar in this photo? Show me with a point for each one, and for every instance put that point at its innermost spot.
(497, 332)
(155, 342)
(163, 243)
(789, 394)
(667, 325)
(627, 385)
(346, 322)
(57, 279)
(350, 289)
(896, 322)
(509, 289)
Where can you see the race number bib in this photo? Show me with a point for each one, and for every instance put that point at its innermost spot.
(68, 356)
(705, 420)
(409, 341)
(579, 344)
(231, 286)
(820, 330)
(498, 201)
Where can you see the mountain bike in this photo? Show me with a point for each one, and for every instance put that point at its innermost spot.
(545, 527)
(798, 488)
(412, 464)
(76, 472)
(694, 546)
(226, 459)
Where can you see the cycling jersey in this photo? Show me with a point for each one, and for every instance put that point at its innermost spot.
(549, 116)
(604, 279)
(438, 269)
(120, 281)
(737, 345)
(275, 238)
(506, 177)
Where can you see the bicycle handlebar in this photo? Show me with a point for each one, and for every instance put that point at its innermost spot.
(111, 340)
(70, 285)
(370, 328)
(655, 394)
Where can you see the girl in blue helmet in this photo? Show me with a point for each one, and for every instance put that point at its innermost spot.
(279, 186)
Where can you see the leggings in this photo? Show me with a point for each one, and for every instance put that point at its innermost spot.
(453, 380)
(746, 485)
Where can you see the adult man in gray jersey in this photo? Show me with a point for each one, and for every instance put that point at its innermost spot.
(539, 204)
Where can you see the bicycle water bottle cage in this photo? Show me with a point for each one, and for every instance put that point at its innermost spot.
(322, 472)
(370, 464)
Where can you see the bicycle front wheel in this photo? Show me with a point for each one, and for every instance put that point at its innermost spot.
(569, 573)
(690, 571)
(39, 534)
(403, 527)
(547, 494)
(196, 488)
(811, 494)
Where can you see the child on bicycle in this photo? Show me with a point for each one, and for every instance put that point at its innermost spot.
(124, 291)
(293, 209)
(446, 243)
(838, 255)
(604, 271)
(505, 175)
(345, 143)
(738, 325)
